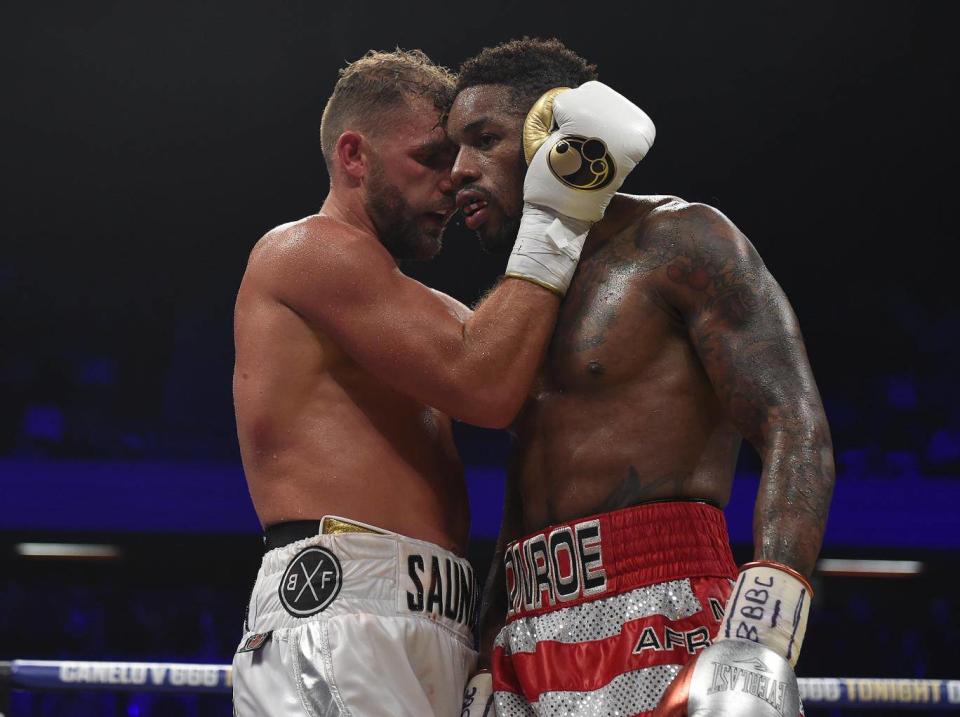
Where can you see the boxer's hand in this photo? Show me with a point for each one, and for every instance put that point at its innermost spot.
(733, 677)
(478, 696)
(575, 169)
(769, 605)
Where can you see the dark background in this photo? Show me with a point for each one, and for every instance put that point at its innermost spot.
(148, 145)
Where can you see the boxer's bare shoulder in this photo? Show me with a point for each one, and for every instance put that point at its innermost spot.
(698, 267)
(679, 230)
(735, 312)
(338, 277)
(312, 246)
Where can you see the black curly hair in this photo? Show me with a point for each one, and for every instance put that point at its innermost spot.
(529, 66)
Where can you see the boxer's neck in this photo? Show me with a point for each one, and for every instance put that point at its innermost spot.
(347, 206)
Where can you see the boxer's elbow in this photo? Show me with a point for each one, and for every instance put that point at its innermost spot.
(502, 414)
(815, 433)
(493, 413)
(488, 404)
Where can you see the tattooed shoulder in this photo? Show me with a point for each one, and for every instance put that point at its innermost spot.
(705, 262)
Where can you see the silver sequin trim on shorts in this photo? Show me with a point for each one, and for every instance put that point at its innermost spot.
(626, 694)
(510, 704)
(600, 619)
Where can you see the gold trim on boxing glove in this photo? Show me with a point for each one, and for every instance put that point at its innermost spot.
(539, 123)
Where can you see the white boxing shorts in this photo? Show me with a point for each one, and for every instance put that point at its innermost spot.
(355, 620)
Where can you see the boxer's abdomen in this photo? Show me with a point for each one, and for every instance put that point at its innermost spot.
(584, 455)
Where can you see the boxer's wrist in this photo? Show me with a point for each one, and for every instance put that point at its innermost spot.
(478, 695)
(547, 248)
(769, 605)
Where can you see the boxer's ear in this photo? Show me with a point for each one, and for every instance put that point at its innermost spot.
(350, 155)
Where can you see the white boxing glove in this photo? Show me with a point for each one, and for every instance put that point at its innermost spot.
(580, 144)
(748, 670)
(769, 605)
(478, 696)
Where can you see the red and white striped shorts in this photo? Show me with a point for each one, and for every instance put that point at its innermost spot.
(605, 610)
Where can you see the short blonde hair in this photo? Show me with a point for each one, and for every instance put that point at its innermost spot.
(369, 88)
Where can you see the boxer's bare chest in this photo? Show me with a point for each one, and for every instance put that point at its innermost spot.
(612, 323)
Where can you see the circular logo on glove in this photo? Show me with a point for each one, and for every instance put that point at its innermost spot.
(582, 162)
(310, 582)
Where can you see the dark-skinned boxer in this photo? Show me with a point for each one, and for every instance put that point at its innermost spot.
(613, 577)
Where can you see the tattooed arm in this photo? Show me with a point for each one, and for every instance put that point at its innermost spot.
(749, 342)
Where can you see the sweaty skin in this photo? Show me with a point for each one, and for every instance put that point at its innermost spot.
(673, 342)
(347, 370)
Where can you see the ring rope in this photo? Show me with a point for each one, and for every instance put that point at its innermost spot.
(856, 692)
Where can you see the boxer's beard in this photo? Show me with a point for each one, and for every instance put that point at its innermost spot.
(500, 241)
(395, 222)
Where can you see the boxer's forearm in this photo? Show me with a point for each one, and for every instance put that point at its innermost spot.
(795, 490)
(504, 342)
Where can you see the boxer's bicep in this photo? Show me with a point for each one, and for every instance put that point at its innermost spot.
(459, 309)
(738, 318)
(749, 343)
(393, 326)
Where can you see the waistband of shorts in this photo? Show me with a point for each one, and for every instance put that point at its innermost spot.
(279, 535)
(607, 554)
(372, 571)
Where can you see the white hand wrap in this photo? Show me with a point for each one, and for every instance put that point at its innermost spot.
(478, 696)
(769, 605)
(547, 248)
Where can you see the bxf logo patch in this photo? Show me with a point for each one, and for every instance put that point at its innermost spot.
(311, 582)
